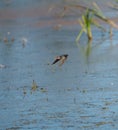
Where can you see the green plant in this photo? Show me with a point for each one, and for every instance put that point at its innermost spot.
(34, 86)
(91, 16)
(88, 19)
(86, 22)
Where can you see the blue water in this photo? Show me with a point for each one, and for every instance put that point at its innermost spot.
(79, 95)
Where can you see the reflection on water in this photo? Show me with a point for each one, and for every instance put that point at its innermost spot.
(81, 94)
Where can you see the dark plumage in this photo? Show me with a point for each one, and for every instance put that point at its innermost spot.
(60, 58)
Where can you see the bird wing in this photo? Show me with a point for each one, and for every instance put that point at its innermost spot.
(56, 60)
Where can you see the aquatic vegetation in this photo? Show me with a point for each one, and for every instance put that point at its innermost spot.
(102, 123)
(34, 86)
(87, 20)
(114, 5)
(90, 17)
(86, 25)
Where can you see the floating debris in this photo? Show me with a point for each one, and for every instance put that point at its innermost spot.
(104, 108)
(2, 66)
(8, 38)
(57, 27)
(84, 91)
(43, 90)
(5, 39)
(24, 91)
(12, 39)
(34, 86)
(24, 41)
(8, 33)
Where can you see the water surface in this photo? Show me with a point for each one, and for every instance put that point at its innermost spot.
(81, 94)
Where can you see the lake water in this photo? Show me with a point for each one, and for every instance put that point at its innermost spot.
(82, 94)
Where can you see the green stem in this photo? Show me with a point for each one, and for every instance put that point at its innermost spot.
(89, 32)
(79, 35)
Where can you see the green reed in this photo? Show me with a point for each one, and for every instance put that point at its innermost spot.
(88, 19)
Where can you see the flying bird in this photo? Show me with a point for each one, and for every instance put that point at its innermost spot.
(60, 58)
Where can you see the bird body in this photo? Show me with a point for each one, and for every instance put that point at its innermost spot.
(60, 58)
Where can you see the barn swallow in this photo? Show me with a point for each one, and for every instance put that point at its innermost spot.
(61, 58)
